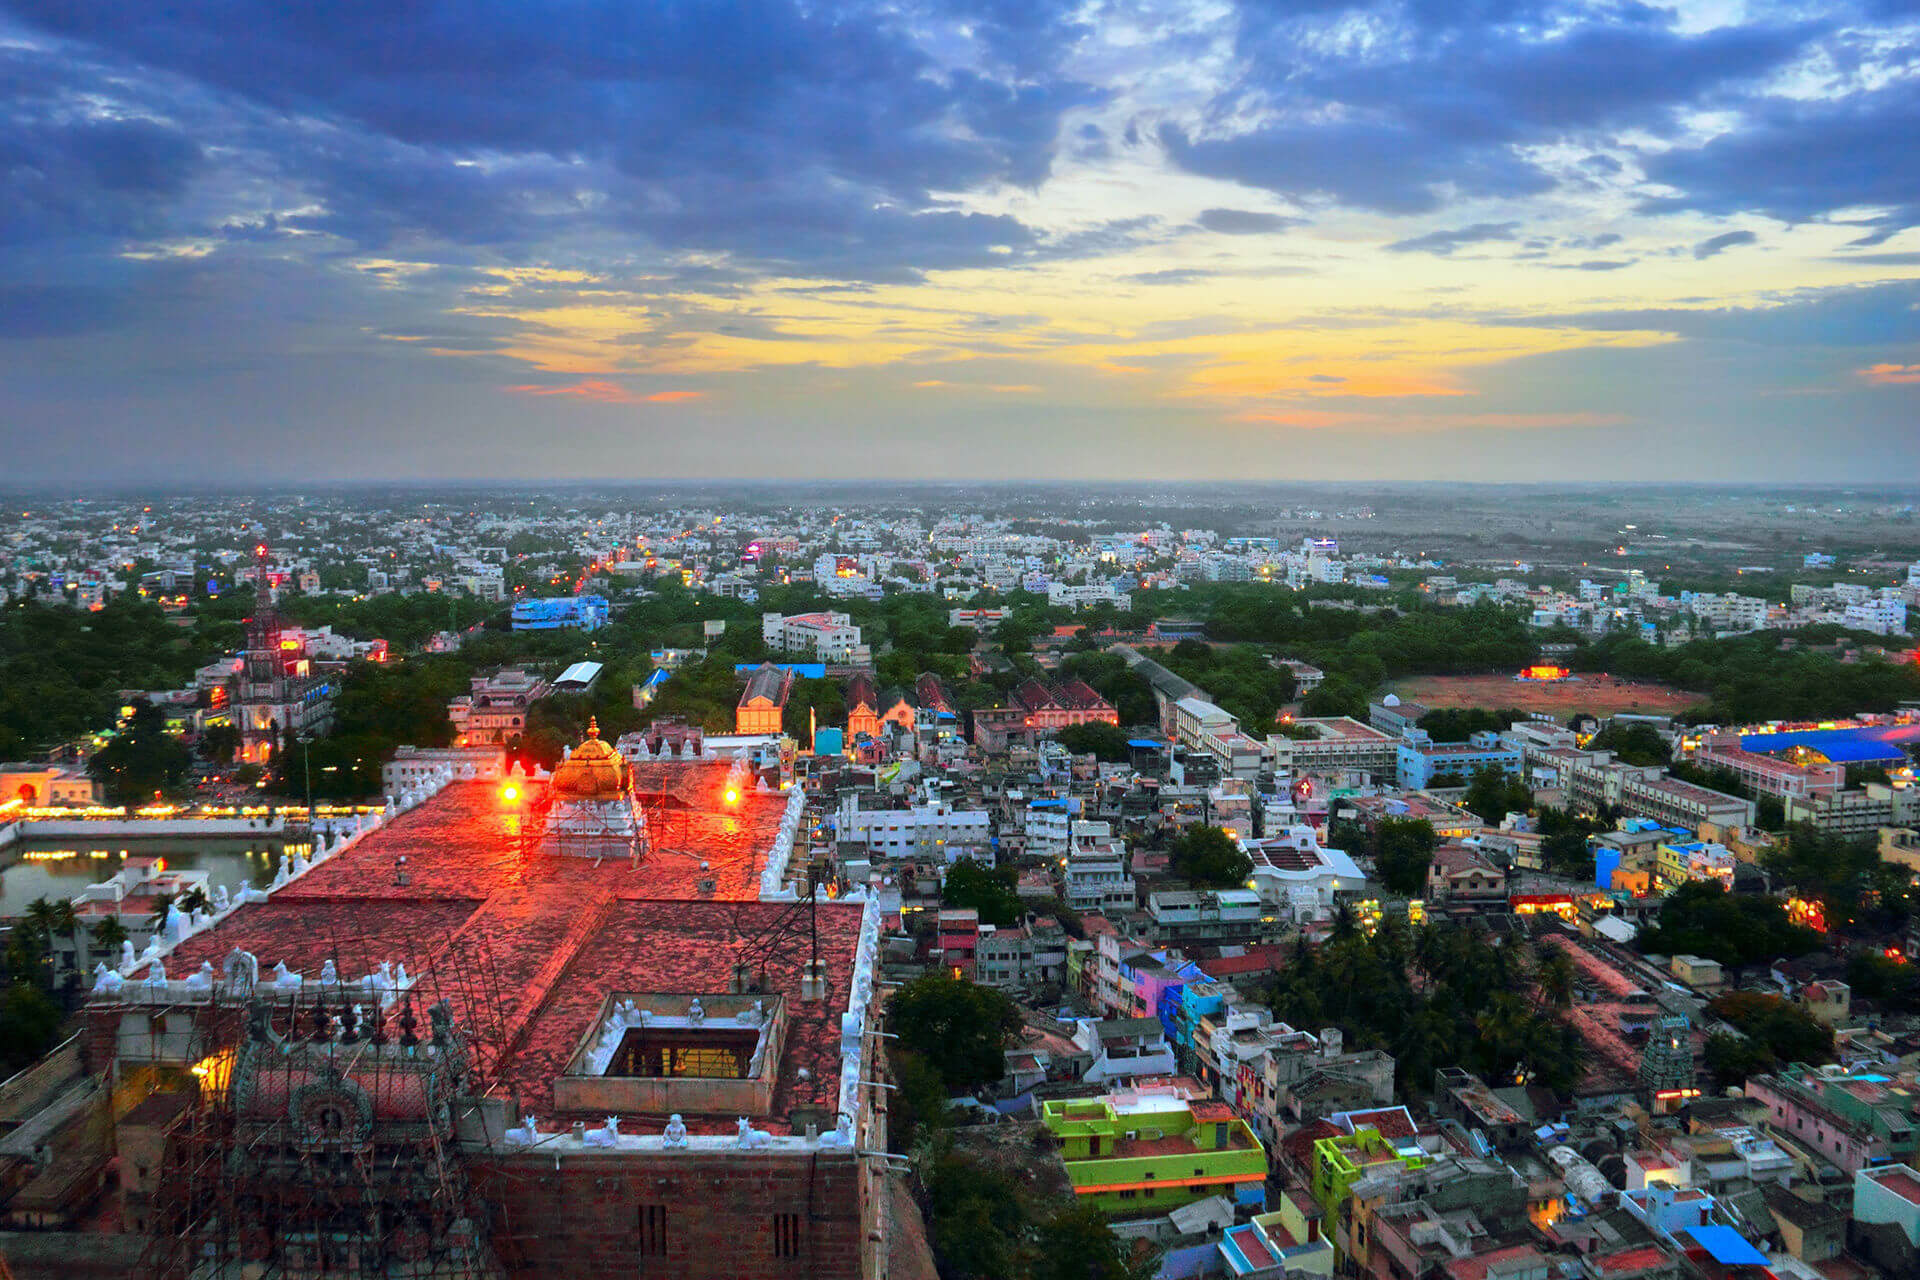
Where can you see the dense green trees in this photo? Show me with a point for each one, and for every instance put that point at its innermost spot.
(1209, 858)
(986, 1224)
(143, 759)
(957, 1027)
(1436, 996)
(1700, 918)
(1846, 875)
(1102, 741)
(1457, 724)
(1752, 678)
(1401, 849)
(1114, 680)
(1773, 1033)
(1633, 743)
(1493, 794)
(61, 669)
(988, 890)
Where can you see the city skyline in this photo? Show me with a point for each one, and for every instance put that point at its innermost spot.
(1507, 241)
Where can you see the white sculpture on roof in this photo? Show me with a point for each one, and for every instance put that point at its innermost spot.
(606, 1136)
(527, 1134)
(107, 981)
(675, 1134)
(751, 1138)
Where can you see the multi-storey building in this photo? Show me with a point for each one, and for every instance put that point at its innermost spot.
(1096, 873)
(826, 636)
(1156, 1147)
(1205, 915)
(1848, 1120)
(495, 711)
(1767, 774)
(1332, 744)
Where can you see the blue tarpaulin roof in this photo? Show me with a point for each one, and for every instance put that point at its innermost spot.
(1841, 746)
(1144, 743)
(1727, 1247)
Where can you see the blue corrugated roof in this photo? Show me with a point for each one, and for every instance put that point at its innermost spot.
(1727, 1247)
(1842, 746)
(1144, 743)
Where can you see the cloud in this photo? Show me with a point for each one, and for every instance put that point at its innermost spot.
(1887, 375)
(1445, 242)
(673, 397)
(1595, 264)
(1721, 243)
(1454, 101)
(1170, 275)
(781, 131)
(1874, 315)
(1245, 222)
(593, 390)
(1797, 159)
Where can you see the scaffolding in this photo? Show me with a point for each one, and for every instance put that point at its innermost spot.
(316, 1128)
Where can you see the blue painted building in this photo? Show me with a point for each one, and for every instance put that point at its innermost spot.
(1420, 759)
(583, 613)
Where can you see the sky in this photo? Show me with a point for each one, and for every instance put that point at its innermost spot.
(247, 240)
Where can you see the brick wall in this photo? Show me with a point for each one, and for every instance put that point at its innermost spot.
(727, 1214)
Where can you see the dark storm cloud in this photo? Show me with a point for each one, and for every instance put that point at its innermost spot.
(1721, 243)
(1445, 242)
(67, 174)
(1800, 160)
(1444, 111)
(785, 132)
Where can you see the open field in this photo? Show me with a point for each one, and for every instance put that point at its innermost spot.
(1600, 694)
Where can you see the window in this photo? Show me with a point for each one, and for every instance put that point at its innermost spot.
(1128, 1194)
(653, 1231)
(786, 1235)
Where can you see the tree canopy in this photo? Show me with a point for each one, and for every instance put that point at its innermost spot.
(988, 890)
(1702, 919)
(959, 1028)
(1209, 858)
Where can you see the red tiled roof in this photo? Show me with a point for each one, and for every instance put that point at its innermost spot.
(1646, 1255)
(1389, 1122)
(526, 946)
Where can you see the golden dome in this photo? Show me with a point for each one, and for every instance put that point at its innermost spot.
(594, 771)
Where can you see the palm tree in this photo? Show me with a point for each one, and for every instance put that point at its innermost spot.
(1554, 977)
(195, 899)
(109, 934)
(160, 905)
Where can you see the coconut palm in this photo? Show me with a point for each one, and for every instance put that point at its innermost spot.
(109, 934)
(195, 899)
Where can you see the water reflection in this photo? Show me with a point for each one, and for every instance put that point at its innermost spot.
(62, 868)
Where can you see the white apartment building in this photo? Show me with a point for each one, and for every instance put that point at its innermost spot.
(825, 637)
(1097, 876)
(1884, 615)
(932, 829)
(1092, 593)
(1050, 827)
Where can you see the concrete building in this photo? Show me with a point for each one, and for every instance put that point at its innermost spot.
(1333, 744)
(496, 708)
(825, 636)
(1766, 774)
(1420, 760)
(561, 613)
(1156, 1147)
(1096, 873)
(413, 766)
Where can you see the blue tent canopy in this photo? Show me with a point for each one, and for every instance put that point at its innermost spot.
(1841, 746)
(1727, 1247)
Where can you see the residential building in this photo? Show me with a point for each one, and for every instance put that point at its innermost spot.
(1420, 760)
(1205, 915)
(1849, 1120)
(1123, 1049)
(1464, 879)
(1156, 1147)
(826, 636)
(1096, 873)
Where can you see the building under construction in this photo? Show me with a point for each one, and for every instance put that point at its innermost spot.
(456, 1045)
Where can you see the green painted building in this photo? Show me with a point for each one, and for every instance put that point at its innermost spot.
(1152, 1148)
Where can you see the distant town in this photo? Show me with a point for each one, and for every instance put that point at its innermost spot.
(1418, 883)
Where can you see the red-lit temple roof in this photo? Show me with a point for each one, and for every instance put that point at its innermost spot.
(526, 945)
